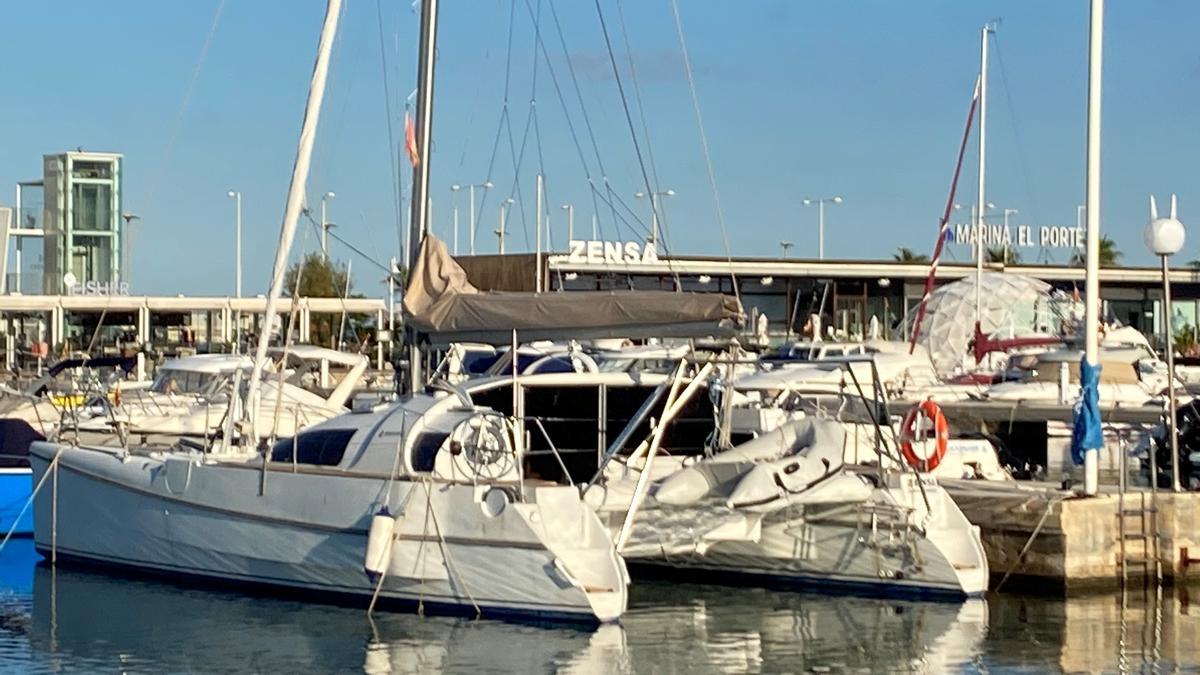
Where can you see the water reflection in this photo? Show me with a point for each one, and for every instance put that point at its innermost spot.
(78, 621)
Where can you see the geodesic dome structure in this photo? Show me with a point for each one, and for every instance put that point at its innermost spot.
(1010, 306)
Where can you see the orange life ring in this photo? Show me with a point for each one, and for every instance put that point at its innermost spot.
(908, 433)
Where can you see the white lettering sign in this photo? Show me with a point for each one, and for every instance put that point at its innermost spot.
(591, 252)
(99, 288)
(1047, 236)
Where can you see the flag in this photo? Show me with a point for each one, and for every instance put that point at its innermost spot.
(410, 140)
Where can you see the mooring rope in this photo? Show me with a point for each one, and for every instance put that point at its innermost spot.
(51, 469)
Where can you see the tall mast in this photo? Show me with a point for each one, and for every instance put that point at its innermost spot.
(981, 205)
(424, 132)
(1091, 461)
(295, 201)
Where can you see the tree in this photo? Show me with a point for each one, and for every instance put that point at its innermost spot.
(1003, 254)
(907, 255)
(1109, 254)
(319, 278)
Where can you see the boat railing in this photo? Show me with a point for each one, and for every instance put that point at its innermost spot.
(537, 421)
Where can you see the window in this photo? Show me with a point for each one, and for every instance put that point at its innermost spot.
(322, 447)
(425, 450)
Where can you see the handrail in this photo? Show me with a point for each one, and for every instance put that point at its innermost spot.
(553, 449)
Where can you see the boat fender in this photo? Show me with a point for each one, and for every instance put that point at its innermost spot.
(379, 544)
(927, 410)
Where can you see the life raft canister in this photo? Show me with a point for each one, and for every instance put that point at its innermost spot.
(909, 433)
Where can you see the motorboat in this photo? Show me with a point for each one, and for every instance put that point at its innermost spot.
(1128, 376)
(190, 396)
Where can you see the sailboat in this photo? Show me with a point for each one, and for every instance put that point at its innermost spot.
(420, 503)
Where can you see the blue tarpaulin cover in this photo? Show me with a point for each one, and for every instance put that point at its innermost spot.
(1086, 433)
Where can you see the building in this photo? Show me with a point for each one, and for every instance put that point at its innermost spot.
(847, 293)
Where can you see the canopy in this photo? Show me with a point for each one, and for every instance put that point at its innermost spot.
(442, 304)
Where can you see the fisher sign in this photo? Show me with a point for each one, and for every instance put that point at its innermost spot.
(1044, 236)
(99, 288)
(585, 252)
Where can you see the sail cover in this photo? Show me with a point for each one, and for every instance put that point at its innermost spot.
(443, 305)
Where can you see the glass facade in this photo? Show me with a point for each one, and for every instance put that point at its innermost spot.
(82, 220)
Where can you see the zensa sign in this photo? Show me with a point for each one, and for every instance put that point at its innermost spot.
(611, 252)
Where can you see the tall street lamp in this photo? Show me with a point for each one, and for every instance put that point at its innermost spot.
(570, 209)
(325, 225)
(487, 184)
(504, 205)
(237, 264)
(821, 220)
(785, 245)
(1164, 237)
(655, 204)
(454, 202)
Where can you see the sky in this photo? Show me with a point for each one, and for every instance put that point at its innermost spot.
(864, 100)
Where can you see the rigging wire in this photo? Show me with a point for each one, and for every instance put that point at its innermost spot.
(712, 176)
(1022, 157)
(504, 118)
(180, 114)
(393, 150)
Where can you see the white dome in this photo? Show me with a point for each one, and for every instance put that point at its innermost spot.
(1011, 305)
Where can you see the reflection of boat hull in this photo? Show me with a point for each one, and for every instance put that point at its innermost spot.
(176, 516)
(15, 486)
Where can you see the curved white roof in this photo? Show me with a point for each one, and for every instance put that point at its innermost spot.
(209, 363)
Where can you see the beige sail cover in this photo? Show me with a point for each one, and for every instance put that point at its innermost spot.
(442, 304)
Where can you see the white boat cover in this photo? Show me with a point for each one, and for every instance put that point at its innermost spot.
(442, 304)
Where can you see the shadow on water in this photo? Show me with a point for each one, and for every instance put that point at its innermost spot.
(71, 620)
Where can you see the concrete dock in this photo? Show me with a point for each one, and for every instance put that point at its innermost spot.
(1036, 532)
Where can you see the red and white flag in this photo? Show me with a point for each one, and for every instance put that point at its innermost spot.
(410, 139)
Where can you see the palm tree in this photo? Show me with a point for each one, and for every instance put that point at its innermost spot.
(1109, 254)
(1003, 254)
(907, 255)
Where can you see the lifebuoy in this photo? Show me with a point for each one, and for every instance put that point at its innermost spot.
(909, 433)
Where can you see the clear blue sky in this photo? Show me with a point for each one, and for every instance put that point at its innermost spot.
(861, 99)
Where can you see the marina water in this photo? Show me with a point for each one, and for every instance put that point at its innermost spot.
(80, 621)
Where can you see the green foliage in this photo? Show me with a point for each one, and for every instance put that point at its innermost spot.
(907, 255)
(1110, 255)
(321, 278)
(1001, 254)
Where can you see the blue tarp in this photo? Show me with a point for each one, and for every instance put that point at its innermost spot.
(1086, 433)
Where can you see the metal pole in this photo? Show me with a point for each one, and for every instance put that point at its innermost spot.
(982, 194)
(324, 233)
(237, 227)
(424, 134)
(471, 234)
(537, 267)
(820, 229)
(500, 232)
(595, 228)
(455, 227)
(1091, 459)
(1169, 342)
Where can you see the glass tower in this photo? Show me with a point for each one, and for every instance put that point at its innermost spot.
(82, 220)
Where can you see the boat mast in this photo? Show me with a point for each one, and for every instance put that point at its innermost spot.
(981, 204)
(295, 202)
(1091, 460)
(419, 223)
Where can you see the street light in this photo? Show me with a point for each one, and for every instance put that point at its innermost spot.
(454, 201)
(325, 225)
(504, 206)
(487, 184)
(570, 209)
(785, 245)
(821, 220)
(1164, 237)
(237, 265)
(654, 206)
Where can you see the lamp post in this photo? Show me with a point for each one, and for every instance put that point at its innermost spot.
(503, 219)
(471, 193)
(1164, 237)
(654, 206)
(325, 225)
(237, 266)
(821, 220)
(785, 245)
(454, 204)
(570, 209)
(1007, 213)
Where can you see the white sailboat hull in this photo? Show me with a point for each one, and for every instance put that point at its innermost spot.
(309, 532)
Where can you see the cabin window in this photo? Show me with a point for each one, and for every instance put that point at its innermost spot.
(425, 450)
(321, 447)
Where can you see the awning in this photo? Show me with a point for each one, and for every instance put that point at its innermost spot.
(441, 304)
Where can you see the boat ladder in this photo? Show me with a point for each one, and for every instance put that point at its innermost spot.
(1138, 536)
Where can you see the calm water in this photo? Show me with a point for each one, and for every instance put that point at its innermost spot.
(75, 621)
